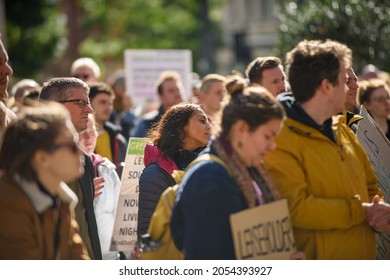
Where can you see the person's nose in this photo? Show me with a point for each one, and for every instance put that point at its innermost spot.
(88, 108)
(6, 70)
(271, 146)
(282, 87)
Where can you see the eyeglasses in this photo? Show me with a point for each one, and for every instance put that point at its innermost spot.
(80, 102)
(72, 146)
(81, 76)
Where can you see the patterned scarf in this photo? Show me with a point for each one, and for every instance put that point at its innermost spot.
(254, 182)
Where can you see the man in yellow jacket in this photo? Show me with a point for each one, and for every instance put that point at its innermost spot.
(319, 165)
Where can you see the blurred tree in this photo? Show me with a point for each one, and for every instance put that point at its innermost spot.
(110, 27)
(32, 34)
(103, 29)
(363, 25)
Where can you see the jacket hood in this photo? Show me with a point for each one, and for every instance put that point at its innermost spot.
(296, 112)
(152, 154)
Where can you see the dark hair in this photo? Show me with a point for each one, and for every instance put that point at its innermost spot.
(310, 62)
(96, 88)
(254, 105)
(35, 129)
(255, 69)
(56, 89)
(366, 88)
(168, 134)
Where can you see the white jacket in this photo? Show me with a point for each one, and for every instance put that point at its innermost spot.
(105, 206)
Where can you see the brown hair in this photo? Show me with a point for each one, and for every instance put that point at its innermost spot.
(310, 62)
(366, 88)
(254, 105)
(35, 129)
(96, 88)
(166, 76)
(255, 69)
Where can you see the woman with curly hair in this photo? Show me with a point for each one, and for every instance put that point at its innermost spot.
(175, 141)
(210, 192)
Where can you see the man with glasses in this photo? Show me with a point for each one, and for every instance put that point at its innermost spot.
(73, 94)
(268, 73)
(374, 94)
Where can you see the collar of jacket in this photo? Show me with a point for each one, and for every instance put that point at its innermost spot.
(351, 118)
(40, 200)
(295, 112)
(309, 131)
(152, 154)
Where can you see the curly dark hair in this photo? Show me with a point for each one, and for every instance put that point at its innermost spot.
(168, 134)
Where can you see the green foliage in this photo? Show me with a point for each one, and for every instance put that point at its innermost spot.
(36, 29)
(33, 34)
(363, 25)
(114, 26)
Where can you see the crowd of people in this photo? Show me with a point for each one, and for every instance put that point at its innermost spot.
(275, 132)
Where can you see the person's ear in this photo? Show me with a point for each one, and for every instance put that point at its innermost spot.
(326, 87)
(41, 159)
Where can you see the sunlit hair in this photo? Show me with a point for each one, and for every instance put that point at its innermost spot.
(254, 105)
(166, 76)
(209, 79)
(366, 88)
(168, 134)
(35, 128)
(87, 62)
(255, 69)
(311, 62)
(57, 89)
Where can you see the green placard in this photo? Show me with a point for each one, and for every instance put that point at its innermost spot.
(136, 146)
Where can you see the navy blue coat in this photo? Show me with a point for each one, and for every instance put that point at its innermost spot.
(200, 223)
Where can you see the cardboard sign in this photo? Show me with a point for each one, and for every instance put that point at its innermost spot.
(377, 147)
(124, 236)
(263, 232)
(143, 67)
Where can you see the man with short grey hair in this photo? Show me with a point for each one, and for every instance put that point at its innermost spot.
(73, 94)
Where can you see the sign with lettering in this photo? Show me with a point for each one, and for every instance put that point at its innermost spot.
(263, 232)
(377, 147)
(124, 235)
(143, 67)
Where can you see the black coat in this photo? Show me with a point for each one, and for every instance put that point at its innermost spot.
(87, 187)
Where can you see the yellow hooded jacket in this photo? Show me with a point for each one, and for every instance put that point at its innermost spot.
(325, 183)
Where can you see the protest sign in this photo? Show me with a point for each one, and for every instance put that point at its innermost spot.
(263, 232)
(124, 235)
(377, 147)
(143, 67)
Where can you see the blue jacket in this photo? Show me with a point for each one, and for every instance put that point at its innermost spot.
(200, 223)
